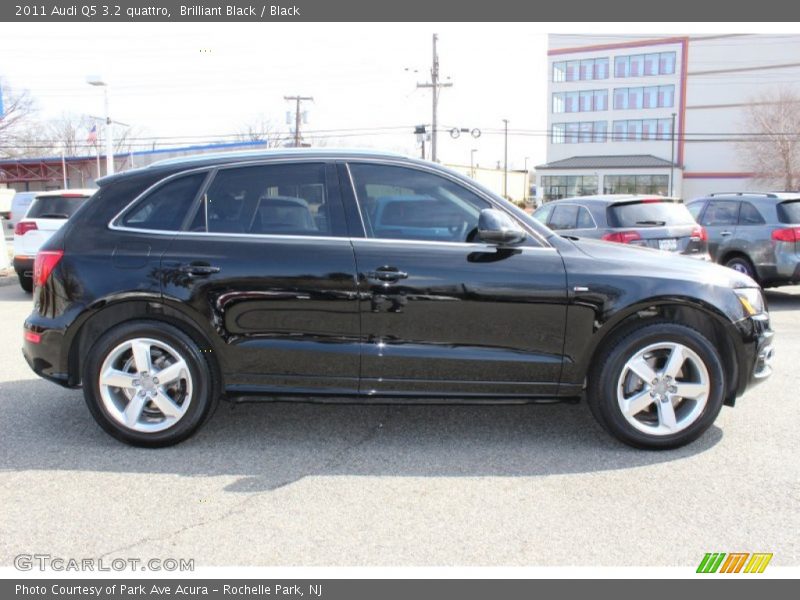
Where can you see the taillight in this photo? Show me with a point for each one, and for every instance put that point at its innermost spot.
(622, 237)
(700, 234)
(790, 234)
(24, 227)
(45, 262)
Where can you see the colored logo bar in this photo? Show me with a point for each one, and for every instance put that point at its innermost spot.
(734, 562)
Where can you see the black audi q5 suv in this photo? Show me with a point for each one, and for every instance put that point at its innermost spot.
(341, 276)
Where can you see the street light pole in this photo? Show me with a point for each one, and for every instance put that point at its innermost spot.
(505, 160)
(98, 82)
(672, 159)
(472, 162)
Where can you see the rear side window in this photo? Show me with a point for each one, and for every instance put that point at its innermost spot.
(271, 199)
(565, 216)
(585, 220)
(721, 212)
(55, 207)
(749, 215)
(695, 208)
(649, 214)
(789, 212)
(543, 213)
(165, 208)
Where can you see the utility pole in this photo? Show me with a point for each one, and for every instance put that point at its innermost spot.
(672, 160)
(505, 160)
(297, 100)
(435, 85)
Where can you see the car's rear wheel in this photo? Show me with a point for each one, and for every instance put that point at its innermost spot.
(660, 385)
(742, 265)
(25, 282)
(147, 384)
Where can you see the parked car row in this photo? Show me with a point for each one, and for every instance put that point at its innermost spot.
(44, 214)
(757, 234)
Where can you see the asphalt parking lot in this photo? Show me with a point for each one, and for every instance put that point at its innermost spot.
(283, 484)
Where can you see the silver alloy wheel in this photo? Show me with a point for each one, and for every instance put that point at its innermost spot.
(741, 268)
(145, 385)
(663, 388)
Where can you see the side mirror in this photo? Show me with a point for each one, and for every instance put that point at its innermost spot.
(496, 227)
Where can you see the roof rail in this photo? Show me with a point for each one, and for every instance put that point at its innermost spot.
(764, 194)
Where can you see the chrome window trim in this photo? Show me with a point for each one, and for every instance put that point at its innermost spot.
(212, 170)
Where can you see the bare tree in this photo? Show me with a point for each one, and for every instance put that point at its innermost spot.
(260, 129)
(15, 121)
(771, 148)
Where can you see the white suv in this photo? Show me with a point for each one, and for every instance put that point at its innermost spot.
(46, 214)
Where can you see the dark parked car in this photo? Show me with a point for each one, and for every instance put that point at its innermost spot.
(338, 276)
(756, 234)
(649, 221)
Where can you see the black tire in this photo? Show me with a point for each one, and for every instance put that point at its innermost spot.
(608, 368)
(204, 398)
(26, 283)
(743, 265)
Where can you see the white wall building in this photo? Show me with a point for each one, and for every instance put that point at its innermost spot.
(613, 101)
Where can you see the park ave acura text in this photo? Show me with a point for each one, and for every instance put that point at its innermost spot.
(334, 276)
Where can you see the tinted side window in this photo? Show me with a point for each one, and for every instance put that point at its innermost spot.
(695, 208)
(165, 208)
(407, 204)
(721, 212)
(271, 199)
(543, 213)
(565, 216)
(789, 212)
(585, 220)
(749, 215)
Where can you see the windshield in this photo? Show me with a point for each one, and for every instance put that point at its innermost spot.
(55, 207)
(649, 214)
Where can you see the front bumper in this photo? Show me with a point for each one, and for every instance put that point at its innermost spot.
(759, 352)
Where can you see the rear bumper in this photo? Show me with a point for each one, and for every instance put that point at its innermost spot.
(24, 265)
(47, 357)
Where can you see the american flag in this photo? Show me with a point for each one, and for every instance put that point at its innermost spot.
(92, 137)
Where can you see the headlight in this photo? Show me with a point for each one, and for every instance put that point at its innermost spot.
(752, 300)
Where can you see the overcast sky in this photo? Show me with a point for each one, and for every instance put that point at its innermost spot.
(208, 80)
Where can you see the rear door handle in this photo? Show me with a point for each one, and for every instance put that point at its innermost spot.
(725, 233)
(199, 269)
(387, 274)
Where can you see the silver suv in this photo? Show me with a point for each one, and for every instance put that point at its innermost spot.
(755, 233)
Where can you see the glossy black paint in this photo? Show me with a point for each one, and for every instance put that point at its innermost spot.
(345, 316)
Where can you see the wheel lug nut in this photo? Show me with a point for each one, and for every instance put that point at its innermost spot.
(155, 380)
(137, 383)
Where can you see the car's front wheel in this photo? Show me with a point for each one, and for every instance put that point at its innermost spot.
(660, 385)
(147, 384)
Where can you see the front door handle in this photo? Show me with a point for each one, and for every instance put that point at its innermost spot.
(199, 269)
(387, 274)
(725, 233)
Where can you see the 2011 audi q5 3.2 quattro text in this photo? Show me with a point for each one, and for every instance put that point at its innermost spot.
(343, 275)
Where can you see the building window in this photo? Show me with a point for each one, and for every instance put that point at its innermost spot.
(642, 129)
(586, 101)
(565, 186)
(579, 132)
(587, 69)
(559, 72)
(636, 184)
(656, 96)
(645, 65)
